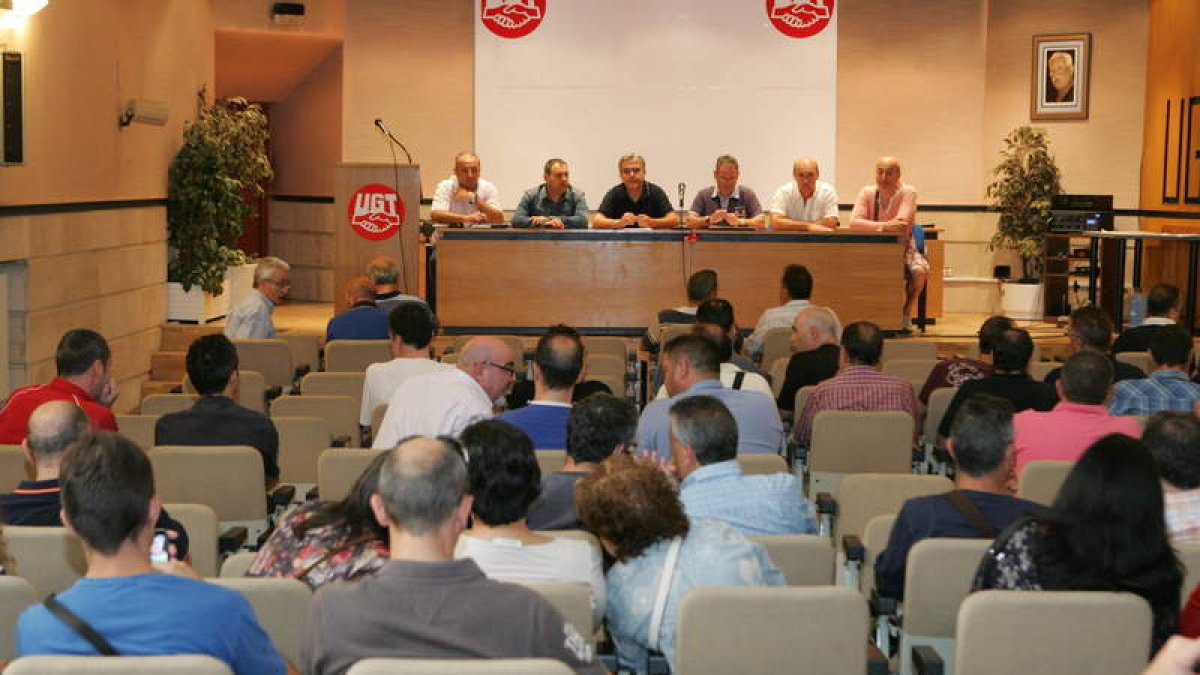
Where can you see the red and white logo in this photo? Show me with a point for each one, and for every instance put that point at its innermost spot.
(800, 18)
(512, 18)
(375, 211)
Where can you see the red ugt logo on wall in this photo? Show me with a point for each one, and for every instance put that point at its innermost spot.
(512, 18)
(375, 211)
(800, 18)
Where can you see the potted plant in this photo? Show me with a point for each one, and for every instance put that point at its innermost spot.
(210, 185)
(1026, 181)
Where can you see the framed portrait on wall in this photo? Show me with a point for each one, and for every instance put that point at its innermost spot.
(1061, 76)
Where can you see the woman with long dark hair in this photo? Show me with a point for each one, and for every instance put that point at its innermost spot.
(1105, 532)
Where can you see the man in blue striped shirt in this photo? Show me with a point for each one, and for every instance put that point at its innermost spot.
(1168, 387)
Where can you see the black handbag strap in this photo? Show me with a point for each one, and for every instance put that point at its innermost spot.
(79, 626)
(971, 513)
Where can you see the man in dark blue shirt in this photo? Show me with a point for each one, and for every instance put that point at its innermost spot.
(362, 320)
(635, 201)
(981, 442)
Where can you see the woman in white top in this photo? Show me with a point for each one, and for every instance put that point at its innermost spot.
(505, 480)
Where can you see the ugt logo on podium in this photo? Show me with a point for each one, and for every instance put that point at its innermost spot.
(800, 18)
(375, 211)
(512, 18)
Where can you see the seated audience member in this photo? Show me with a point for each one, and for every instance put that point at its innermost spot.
(53, 428)
(411, 327)
(424, 502)
(324, 541)
(599, 426)
(1168, 387)
(446, 401)
(1078, 420)
(720, 312)
(557, 368)
(635, 201)
(957, 371)
(362, 320)
(727, 203)
(464, 197)
(251, 318)
(1173, 438)
(108, 500)
(701, 286)
(84, 366)
(1105, 532)
(1162, 309)
(794, 292)
(1090, 328)
(980, 506)
(704, 440)
(633, 508)
(215, 419)
(692, 367)
(805, 203)
(815, 354)
(384, 272)
(858, 384)
(1011, 351)
(731, 376)
(555, 203)
(505, 479)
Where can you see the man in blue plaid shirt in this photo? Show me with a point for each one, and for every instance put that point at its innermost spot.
(1168, 387)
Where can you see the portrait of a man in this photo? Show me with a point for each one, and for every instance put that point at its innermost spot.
(1059, 86)
(1060, 77)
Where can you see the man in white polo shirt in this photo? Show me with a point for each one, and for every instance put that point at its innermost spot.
(465, 197)
(805, 204)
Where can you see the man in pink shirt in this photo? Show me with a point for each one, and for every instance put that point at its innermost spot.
(891, 206)
(1079, 420)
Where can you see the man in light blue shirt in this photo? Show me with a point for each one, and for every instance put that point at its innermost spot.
(251, 318)
(1168, 387)
(704, 441)
(692, 367)
(555, 203)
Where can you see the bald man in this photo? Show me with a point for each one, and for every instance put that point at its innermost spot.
(805, 204)
(362, 320)
(465, 197)
(446, 401)
(891, 206)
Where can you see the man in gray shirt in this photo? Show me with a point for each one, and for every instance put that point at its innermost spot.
(422, 603)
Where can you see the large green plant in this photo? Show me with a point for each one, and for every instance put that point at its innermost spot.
(210, 186)
(1026, 181)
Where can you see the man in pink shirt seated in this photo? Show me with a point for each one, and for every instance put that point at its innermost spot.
(891, 206)
(1079, 420)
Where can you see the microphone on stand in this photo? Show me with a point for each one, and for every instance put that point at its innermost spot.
(384, 130)
(682, 190)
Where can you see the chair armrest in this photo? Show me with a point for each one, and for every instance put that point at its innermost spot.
(882, 605)
(853, 547)
(314, 493)
(272, 393)
(232, 539)
(926, 661)
(280, 496)
(877, 661)
(826, 504)
(342, 441)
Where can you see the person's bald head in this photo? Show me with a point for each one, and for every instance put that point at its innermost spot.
(559, 357)
(422, 483)
(806, 172)
(813, 326)
(490, 362)
(887, 172)
(53, 427)
(359, 289)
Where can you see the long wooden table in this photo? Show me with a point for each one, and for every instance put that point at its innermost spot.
(606, 281)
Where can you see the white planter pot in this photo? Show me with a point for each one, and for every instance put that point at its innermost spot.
(196, 306)
(1022, 301)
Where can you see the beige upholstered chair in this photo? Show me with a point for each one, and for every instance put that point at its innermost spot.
(459, 667)
(863, 496)
(252, 389)
(15, 595)
(235, 566)
(608, 345)
(802, 395)
(1040, 480)
(777, 345)
(741, 629)
(301, 442)
(163, 404)
(670, 331)
(847, 442)
(306, 349)
(200, 521)
(227, 478)
(339, 412)
(49, 558)
(353, 356)
(377, 418)
(572, 600)
(13, 467)
(189, 664)
(939, 400)
(272, 358)
(874, 539)
(908, 349)
(281, 606)
(1138, 359)
(551, 461)
(1052, 632)
(761, 462)
(937, 579)
(778, 373)
(1189, 555)
(804, 559)
(1038, 370)
(339, 468)
(138, 428)
(334, 384)
(913, 370)
(608, 369)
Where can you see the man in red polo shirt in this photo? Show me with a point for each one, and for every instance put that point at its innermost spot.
(82, 359)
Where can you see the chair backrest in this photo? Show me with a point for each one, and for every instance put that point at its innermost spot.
(236, 565)
(761, 462)
(778, 373)
(573, 600)
(749, 629)
(1038, 370)
(847, 442)
(670, 331)
(339, 468)
(200, 521)
(939, 400)
(306, 349)
(551, 461)
(1052, 632)
(16, 594)
(1189, 555)
(908, 349)
(301, 442)
(163, 404)
(875, 538)
(138, 428)
(272, 358)
(252, 388)
(339, 412)
(608, 369)
(610, 345)
(459, 666)
(1138, 359)
(49, 558)
(377, 418)
(13, 467)
(1040, 480)
(936, 580)
(863, 496)
(802, 395)
(804, 559)
(227, 478)
(777, 344)
(351, 356)
(334, 384)
(186, 664)
(281, 606)
(913, 370)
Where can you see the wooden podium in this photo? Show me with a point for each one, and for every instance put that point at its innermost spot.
(372, 221)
